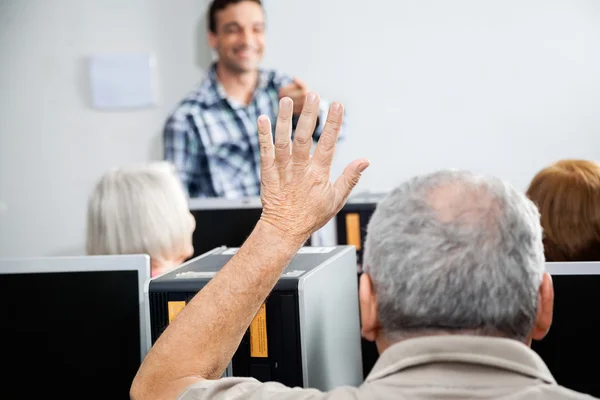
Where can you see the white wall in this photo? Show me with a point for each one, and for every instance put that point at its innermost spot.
(503, 87)
(53, 145)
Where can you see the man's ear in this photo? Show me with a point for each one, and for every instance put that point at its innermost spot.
(369, 313)
(543, 319)
(212, 40)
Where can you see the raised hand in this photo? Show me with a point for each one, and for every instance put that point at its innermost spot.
(297, 195)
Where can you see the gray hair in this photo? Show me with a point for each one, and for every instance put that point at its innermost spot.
(455, 251)
(140, 209)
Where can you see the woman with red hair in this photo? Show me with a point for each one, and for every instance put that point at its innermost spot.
(567, 194)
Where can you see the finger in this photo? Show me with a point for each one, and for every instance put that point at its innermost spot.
(300, 83)
(283, 132)
(323, 156)
(305, 128)
(348, 180)
(265, 143)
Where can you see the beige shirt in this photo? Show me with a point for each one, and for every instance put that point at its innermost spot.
(435, 367)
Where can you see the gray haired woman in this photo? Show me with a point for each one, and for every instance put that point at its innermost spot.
(141, 209)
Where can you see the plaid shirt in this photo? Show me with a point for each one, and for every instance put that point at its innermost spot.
(212, 140)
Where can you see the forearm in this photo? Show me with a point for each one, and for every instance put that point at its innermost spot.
(202, 340)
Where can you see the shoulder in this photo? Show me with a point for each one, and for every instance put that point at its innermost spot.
(561, 392)
(194, 102)
(251, 389)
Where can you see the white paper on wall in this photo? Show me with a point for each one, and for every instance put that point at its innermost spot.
(123, 81)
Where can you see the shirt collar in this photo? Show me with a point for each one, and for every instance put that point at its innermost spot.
(499, 353)
(211, 90)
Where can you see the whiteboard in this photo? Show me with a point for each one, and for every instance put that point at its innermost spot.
(500, 87)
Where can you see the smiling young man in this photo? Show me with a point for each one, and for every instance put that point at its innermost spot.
(211, 137)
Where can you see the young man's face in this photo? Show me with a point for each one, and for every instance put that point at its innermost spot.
(239, 39)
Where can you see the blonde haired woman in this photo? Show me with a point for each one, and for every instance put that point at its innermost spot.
(141, 209)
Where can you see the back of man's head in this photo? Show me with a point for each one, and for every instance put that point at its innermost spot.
(455, 252)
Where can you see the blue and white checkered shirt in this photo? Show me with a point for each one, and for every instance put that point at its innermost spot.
(212, 140)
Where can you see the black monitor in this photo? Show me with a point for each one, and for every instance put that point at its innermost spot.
(571, 349)
(223, 222)
(352, 220)
(73, 327)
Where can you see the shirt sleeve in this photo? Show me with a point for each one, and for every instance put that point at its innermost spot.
(184, 149)
(251, 389)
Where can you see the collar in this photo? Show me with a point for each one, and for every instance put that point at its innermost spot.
(444, 351)
(211, 91)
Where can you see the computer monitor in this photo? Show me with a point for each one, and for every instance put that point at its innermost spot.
(571, 349)
(73, 327)
(223, 222)
(352, 220)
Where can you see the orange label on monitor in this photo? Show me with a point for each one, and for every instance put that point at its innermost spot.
(353, 230)
(258, 334)
(174, 308)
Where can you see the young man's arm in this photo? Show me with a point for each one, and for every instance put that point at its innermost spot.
(298, 199)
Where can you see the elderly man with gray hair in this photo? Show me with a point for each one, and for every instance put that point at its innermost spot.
(453, 293)
(455, 290)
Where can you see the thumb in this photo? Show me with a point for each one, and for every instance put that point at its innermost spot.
(348, 180)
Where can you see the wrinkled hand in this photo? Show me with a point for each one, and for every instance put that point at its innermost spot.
(297, 196)
(297, 91)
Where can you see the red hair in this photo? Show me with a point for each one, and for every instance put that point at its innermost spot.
(567, 194)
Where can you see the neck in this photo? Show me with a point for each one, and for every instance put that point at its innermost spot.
(384, 341)
(159, 267)
(239, 85)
